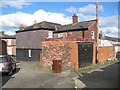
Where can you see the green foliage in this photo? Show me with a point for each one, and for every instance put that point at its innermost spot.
(86, 68)
(40, 67)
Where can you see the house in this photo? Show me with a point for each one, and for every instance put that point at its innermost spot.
(74, 45)
(10, 41)
(29, 39)
(85, 29)
(108, 46)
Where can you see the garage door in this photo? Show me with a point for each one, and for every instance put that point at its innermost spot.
(85, 54)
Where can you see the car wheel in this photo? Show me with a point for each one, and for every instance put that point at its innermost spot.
(11, 72)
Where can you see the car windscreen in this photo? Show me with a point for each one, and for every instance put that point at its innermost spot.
(3, 59)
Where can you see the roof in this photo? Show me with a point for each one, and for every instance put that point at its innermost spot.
(5, 36)
(58, 27)
(44, 24)
(78, 26)
(109, 38)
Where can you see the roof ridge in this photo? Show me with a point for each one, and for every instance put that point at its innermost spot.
(88, 20)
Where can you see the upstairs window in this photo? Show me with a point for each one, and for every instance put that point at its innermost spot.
(50, 34)
(60, 35)
(92, 35)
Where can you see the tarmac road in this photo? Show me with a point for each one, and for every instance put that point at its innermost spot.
(28, 77)
(102, 78)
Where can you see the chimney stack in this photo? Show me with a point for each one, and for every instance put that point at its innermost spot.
(21, 27)
(75, 19)
(1, 32)
(35, 24)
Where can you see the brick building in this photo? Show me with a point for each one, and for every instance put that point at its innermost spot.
(85, 29)
(3, 47)
(73, 44)
(73, 53)
(29, 39)
(81, 39)
(10, 41)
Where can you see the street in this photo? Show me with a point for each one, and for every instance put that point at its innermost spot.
(27, 76)
(103, 78)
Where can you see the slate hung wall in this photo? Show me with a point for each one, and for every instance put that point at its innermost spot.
(29, 44)
(29, 40)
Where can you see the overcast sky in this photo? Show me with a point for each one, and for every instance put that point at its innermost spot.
(16, 12)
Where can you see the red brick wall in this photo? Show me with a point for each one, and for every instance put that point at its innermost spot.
(67, 51)
(60, 50)
(3, 47)
(91, 28)
(13, 46)
(105, 52)
(79, 34)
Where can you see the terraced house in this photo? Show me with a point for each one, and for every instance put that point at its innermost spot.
(44, 41)
(29, 39)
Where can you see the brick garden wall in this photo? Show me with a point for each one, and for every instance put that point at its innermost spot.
(66, 51)
(14, 47)
(105, 52)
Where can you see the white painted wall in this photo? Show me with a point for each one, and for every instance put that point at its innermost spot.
(103, 43)
(9, 41)
(9, 50)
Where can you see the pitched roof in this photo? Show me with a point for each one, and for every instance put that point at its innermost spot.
(44, 24)
(109, 38)
(5, 36)
(78, 26)
(58, 27)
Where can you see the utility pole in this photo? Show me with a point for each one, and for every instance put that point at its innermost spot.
(97, 21)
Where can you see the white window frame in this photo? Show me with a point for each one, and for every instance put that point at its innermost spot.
(50, 34)
(60, 35)
(92, 35)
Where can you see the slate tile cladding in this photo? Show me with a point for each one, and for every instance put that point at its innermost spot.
(23, 54)
(77, 26)
(31, 39)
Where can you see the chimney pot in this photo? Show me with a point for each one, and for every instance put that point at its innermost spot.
(21, 27)
(75, 19)
(2, 32)
(35, 24)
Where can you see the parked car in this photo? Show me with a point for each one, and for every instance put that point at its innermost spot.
(7, 64)
(118, 55)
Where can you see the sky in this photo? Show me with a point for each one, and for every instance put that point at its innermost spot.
(13, 13)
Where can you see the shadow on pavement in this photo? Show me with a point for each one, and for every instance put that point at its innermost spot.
(5, 77)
